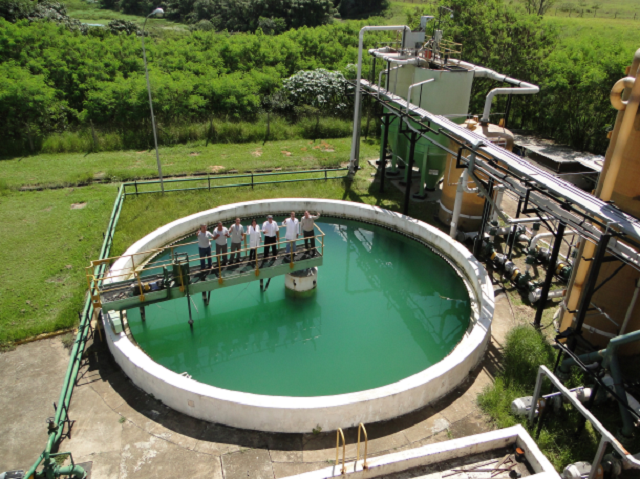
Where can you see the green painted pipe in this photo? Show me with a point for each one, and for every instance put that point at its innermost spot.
(75, 471)
(610, 362)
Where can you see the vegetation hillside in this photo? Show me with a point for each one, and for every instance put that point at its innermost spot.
(59, 76)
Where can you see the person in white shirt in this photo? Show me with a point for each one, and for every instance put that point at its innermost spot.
(220, 235)
(237, 235)
(271, 236)
(307, 224)
(254, 234)
(204, 246)
(291, 235)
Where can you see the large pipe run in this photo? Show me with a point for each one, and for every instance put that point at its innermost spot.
(521, 87)
(355, 140)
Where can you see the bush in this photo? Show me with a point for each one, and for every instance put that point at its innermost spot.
(215, 131)
(272, 16)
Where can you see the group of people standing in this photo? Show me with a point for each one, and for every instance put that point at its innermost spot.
(253, 236)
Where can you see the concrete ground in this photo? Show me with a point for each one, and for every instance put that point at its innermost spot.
(123, 432)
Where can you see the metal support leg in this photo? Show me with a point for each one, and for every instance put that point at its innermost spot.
(189, 305)
(383, 151)
(602, 448)
(587, 292)
(262, 285)
(204, 298)
(512, 236)
(407, 192)
(143, 316)
(477, 245)
(582, 420)
(544, 294)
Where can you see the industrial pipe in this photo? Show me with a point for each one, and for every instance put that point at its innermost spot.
(522, 87)
(606, 436)
(520, 221)
(411, 87)
(457, 207)
(632, 305)
(499, 194)
(610, 362)
(539, 236)
(534, 296)
(463, 188)
(73, 471)
(394, 58)
(608, 177)
(355, 140)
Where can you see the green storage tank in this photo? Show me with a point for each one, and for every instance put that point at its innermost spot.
(448, 95)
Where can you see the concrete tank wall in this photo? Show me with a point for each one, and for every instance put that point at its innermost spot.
(303, 414)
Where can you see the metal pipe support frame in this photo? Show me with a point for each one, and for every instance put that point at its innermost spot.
(606, 437)
(610, 361)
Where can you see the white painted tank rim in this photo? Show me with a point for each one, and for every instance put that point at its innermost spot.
(405, 395)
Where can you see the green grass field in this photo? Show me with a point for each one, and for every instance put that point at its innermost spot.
(80, 168)
(44, 248)
(90, 12)
(625, 32)
(49, 237)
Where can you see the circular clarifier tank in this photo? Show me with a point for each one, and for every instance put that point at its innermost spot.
(399, 316)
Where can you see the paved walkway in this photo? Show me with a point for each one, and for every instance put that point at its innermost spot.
(123, 432)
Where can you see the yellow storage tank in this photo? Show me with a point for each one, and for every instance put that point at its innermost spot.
(617, 294)
(472, 204)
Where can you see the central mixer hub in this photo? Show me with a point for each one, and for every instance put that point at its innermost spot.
(301, 283)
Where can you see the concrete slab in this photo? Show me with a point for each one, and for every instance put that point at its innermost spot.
(286, 469)
(30, 382)
(178, 429)
(286, 456)
(461, 406)
(147, 456)
(440, 437)
(97, 427)
(104, 465)
(473, 424)
(427, 428)
(248, 463)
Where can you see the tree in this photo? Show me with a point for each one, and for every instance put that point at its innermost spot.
(33, 11)
(318, 92)
(353, 8)
(28, 106)
(272, 26)
(538, 7)
(123, 27)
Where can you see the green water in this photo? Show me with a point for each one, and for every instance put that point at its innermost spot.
(386, 307)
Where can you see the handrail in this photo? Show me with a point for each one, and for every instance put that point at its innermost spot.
(125, 273)
(161, 264)
(605, 436)
(156, 250)
(252, 183)
(366, 443)
(339, 434)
